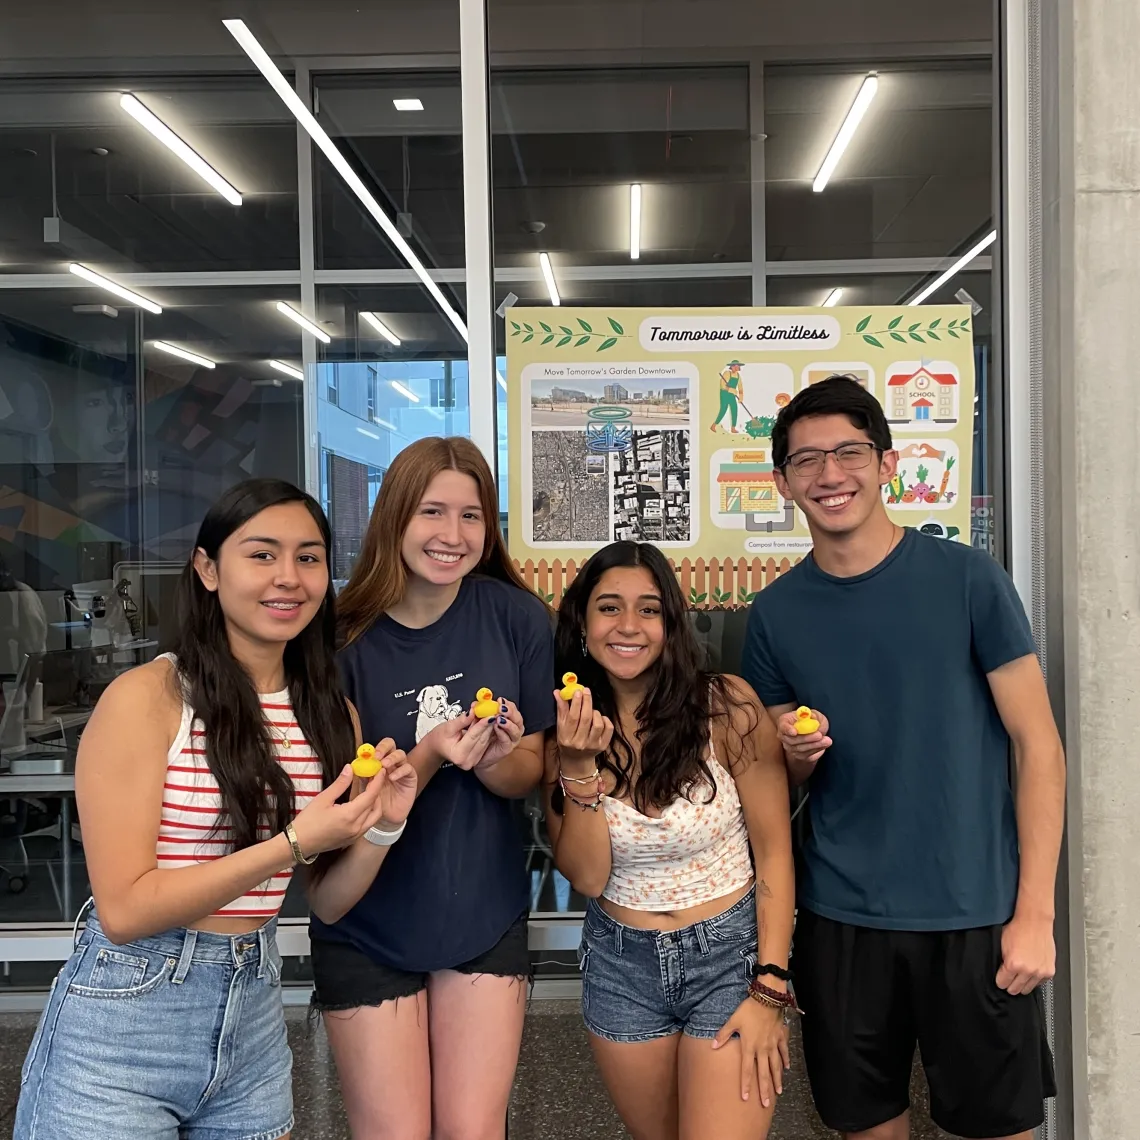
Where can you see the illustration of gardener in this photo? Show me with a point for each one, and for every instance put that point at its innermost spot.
(729, 394)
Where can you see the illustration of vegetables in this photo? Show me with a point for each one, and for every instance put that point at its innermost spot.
(895, 488)
(945, 477)
(922, 488)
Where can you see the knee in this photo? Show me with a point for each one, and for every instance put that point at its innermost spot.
(471, 1128)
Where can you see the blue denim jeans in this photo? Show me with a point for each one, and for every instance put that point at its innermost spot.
(642, 984)
(180, 1036)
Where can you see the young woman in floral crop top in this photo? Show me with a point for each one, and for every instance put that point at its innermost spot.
(668, 807)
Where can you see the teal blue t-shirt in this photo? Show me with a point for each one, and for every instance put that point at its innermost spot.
(911, 812)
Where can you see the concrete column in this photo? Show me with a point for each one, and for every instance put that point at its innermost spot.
(1090, 55)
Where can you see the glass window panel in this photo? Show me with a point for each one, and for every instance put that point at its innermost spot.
(916, 179)
(83, 181)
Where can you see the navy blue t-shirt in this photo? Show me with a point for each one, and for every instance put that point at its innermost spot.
(454, 883)
(911, 811)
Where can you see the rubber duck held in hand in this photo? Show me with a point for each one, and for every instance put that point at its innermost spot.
(486, 707)
(806, 724)
(366, 765)
(570, 686)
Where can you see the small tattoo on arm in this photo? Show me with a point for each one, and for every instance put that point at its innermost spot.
(764, 889)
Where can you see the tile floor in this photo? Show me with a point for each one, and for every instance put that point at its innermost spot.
(552, 1100)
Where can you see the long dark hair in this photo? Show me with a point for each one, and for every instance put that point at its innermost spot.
(255, 789)
(683, 697)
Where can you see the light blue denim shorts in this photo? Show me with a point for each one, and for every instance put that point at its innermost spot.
(641, 984)
(180, 1036)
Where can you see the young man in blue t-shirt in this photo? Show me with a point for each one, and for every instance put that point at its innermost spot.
(925, 886)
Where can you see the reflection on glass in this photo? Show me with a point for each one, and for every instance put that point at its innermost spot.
(109, 454)
(367, 412)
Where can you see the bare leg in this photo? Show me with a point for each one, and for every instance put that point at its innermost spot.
(897, 1129)
(642, 1080)
(382, 1060)
(710, 1104)
(476, 1030)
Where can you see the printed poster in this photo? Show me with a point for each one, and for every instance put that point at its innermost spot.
(655, 426)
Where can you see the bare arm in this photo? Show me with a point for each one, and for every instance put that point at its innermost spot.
(756, 760)
(1023, 703)
(579, 837)
(333, 894)
(119, 778)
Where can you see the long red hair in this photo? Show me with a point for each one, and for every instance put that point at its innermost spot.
(380, 577)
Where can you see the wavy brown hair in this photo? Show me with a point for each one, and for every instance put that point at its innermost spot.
(380, 577)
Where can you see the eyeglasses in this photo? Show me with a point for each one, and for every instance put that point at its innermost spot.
(849, 456)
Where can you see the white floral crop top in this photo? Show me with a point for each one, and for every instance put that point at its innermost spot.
(693, 853)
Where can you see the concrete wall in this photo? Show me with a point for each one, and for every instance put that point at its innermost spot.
(1091, 246)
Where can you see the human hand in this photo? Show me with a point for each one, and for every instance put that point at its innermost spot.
(583, 732)
(325, 825)
(462, 740)
(399, 789)
(1028, 954)
(508, 731)
(763, 1048)
(803, 749)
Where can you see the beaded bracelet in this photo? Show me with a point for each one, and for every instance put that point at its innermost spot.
(593, 804)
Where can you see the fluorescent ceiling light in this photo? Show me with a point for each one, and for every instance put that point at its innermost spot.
(370, 434)
(385, 425)
(381, 328)
(170, 140)
(501, 381)
(956, 268)
(111, 287)
(407, 104)
(832, 298)
(548, 273)
(174, 350)
(404, 391)
(288, 369)
(634, 222)
(847, 131)
(304, 322)
(304, 116)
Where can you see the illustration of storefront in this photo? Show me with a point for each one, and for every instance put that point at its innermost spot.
(748, 485)
(922, 397)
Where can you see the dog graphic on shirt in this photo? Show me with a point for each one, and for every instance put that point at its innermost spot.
(435, 708)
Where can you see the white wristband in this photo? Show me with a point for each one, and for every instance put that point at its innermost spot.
(383, 838)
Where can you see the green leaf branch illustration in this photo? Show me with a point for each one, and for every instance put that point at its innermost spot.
(564, 334)
(922, 332)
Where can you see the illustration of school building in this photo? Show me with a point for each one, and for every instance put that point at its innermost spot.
(922, 397)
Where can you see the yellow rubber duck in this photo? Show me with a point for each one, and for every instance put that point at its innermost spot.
(366, 765)
(486, 707)
(806, 724)
(570, 681)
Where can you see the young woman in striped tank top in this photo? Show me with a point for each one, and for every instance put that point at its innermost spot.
(668, 808)
(202, 780)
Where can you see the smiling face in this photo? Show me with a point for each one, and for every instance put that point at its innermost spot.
(447, 533)
(625, 631)
(836, 501)
(271, 575)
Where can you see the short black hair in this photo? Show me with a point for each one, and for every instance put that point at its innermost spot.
(835, 396)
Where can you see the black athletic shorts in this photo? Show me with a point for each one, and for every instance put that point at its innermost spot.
(870, 995)
(345, 978)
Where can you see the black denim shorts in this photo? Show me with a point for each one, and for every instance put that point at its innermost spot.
(346, 978)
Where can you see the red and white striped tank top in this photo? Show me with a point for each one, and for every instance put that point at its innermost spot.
(191, 801)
